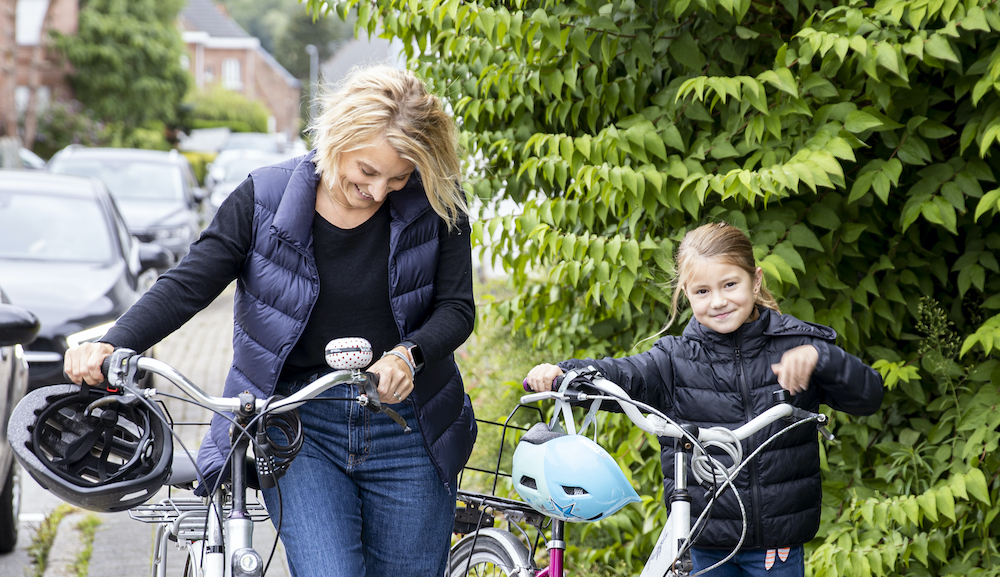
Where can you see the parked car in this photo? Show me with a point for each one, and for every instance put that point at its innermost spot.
(67, 255)
(18, 327)
(234, 171)
(156, 190)
(31, 161)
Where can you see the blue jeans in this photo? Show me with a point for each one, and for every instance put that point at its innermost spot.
(750, 563)
(362, 497)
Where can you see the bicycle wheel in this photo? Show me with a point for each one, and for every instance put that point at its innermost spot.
(489, 552)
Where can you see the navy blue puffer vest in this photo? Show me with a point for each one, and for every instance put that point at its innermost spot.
(279, 284)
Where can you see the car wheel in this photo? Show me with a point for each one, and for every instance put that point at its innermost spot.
(10, 506)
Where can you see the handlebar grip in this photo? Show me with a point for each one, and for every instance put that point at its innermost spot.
(372, 378)
(555, 383)
(106, 366)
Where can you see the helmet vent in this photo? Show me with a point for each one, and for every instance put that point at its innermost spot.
(529, 482)
(575, 490)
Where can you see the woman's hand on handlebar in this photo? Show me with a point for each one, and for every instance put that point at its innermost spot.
(540, 378)
(82, 363)
(395, 382)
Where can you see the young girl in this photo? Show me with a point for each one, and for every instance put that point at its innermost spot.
(736, 351)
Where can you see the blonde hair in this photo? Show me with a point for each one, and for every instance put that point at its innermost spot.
(721, 241)
(385, 102)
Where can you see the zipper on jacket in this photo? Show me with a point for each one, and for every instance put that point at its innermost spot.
(748, 412)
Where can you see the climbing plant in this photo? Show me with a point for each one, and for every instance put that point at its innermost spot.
(854, 141)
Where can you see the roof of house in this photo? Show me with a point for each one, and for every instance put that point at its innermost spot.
(205, 16)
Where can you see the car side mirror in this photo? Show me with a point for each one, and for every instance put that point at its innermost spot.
(200, 194)
(154, 256)
(17, 325)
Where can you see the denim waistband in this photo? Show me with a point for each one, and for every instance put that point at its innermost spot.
(293, 386)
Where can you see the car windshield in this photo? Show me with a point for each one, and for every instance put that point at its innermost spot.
(129, 180)
(251, 141)
(239, 168)
(39, 226)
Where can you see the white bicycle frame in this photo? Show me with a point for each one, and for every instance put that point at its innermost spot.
(677, 531)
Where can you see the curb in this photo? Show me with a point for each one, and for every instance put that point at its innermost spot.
(66, 547)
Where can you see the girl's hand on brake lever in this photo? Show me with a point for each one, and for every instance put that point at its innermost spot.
(540, 378)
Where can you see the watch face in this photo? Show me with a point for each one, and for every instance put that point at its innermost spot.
(418, 357)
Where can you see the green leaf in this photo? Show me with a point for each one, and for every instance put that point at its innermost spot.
(823, 217)
(686, 51)
(859, 121)
(939, 47)
(975, 484)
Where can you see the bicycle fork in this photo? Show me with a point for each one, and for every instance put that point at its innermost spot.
(665, 558)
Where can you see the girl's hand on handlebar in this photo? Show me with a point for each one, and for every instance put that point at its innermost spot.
(540, 378)
(796, 368)
(395, 382)
(82, 363)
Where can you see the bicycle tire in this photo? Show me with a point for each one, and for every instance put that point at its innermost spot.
(490, 552)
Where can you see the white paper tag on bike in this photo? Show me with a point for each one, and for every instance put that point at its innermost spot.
(349, 353)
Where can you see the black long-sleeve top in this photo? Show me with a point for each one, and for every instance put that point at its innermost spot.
(353, 299)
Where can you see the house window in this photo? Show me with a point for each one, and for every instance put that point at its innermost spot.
(231, 74)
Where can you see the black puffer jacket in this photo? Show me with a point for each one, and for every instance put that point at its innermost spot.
(710, 379)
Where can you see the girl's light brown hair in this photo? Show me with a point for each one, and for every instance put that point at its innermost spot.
(717, 240)
(385, 102)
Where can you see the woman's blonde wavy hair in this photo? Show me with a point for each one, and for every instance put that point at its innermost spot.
(717, 240)
(382, 101)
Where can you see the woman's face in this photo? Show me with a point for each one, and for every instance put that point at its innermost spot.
(371, 172)
(721, 294)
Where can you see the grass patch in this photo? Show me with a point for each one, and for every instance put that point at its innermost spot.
(41, 543)
(87, 527)
(493, 363)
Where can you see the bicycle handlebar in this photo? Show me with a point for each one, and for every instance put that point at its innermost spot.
(120, 367)
(659, 424)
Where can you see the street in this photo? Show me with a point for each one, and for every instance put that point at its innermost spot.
(202, 351)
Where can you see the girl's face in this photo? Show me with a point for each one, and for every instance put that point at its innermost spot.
(371, 172)
(721, 294)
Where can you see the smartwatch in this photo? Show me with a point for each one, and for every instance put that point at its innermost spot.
(416, 355)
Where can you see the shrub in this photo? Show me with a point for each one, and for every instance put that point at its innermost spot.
(218, 107)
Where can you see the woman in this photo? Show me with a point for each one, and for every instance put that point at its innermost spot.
(365, 236)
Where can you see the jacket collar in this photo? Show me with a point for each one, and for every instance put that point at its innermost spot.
(755, 334)
(297, 208)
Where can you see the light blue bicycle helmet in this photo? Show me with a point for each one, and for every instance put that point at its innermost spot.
(569, 477)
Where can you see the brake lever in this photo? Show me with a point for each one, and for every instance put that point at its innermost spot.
(374, 404)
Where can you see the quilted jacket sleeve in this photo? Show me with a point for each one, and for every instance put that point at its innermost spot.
(848, 384)
(646, 377)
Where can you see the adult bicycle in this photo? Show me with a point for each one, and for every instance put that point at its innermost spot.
(488, 550)
(216, 531)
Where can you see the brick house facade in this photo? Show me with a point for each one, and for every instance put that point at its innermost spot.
(220, 52)
(51, 81)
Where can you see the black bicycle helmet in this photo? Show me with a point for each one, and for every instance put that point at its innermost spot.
(90, 447)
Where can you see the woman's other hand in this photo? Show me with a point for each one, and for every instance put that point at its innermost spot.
(395, 381)
(796, 368)
(540, 378)
(82, 363)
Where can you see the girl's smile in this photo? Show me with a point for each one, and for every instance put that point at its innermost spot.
(722, 295)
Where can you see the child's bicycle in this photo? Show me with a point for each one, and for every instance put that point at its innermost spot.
(487, 550)
(215, 532)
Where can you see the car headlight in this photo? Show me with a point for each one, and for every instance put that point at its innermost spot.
(88, 335)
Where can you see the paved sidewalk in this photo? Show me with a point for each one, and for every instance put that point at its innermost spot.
(202, 351)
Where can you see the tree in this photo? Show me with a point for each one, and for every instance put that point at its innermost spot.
(852, 141)
(284, 30)
(127, 61)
